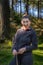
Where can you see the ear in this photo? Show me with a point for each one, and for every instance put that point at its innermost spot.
(22, 22)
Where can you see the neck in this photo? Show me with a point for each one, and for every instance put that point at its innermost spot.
(25, 27)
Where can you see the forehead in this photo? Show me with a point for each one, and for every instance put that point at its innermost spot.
(25, 19)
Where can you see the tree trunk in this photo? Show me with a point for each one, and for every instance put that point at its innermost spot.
(38, 9)
(27, 6)
(6, 16)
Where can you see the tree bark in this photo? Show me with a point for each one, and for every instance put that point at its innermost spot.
(27, 6)
(6, 18)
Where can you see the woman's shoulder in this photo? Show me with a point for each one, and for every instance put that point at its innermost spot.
(19, 30)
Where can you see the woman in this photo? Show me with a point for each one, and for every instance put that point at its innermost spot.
(24, 41)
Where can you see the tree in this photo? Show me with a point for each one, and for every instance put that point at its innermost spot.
(27, 6)
(6, 17)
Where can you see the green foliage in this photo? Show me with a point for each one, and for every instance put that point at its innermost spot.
(17, 18)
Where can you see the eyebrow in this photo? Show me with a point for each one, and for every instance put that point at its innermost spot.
(25, 20)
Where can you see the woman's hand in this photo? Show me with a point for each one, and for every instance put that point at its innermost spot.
(21, 50)
(14, 52)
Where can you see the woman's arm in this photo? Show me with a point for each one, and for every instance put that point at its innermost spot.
(14, 41)
(34, 42)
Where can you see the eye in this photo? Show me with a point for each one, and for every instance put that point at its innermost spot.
(23, 21)
(27, 21)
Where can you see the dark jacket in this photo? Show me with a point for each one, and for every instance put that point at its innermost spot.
(25, 38)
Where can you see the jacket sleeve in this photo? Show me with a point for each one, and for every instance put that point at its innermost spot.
(34, 42)
(14, 41)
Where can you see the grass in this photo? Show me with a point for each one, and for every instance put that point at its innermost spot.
(38, 55)
(6, 54)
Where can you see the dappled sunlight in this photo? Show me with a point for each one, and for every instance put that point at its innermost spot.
(39, 51)
(9, 43)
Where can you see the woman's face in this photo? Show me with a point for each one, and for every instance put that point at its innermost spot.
(26, 22)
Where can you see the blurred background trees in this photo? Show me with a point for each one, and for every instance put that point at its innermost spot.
(34, 9)
(12, 11)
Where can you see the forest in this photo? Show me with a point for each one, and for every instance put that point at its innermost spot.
(11, 12)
